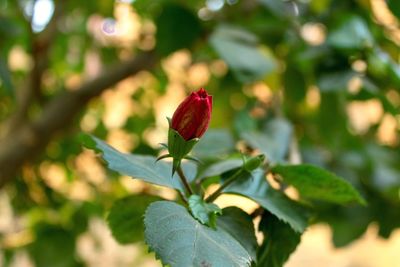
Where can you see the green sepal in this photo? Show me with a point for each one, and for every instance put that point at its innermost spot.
(163, 157)
(164, 145)
(175, 165)
(250, 164)
(193, 159)
(177, 146)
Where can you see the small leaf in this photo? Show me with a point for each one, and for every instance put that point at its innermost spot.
(181, 241)
(126, 218)
(144, 167)
(279, 241)
(273, 142)
(318, 184)
(258, 189)
(240, 225)
(239, 49)
(205, 212)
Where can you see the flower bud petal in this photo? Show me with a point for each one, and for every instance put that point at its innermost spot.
(192, 117)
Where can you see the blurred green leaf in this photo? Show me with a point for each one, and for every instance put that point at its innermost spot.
(273, 141)
(318, 184)
(335, 81)
(394, 6)
(205, 212)
(240, 50)
(221, 167)
(256, 187)
(180, 240)
(240, 226)
(144, 167)
(351, 33)
(208, 148)
(53, 247)
(244, 122)
(347, 223)
(295, 86)
(126, 218)
(280, 240)
(5, 78)
(279, 8)
(177, 28)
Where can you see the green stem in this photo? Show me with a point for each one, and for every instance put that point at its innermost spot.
(218, 192)
(182, 197)
(184, 180)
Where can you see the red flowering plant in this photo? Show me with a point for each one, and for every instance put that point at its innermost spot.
(194, 230)
(189, 122)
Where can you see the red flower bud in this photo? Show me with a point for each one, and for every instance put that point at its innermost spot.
(193, 115)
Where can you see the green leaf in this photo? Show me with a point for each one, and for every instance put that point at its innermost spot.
(177, 28)
(207, 148)
(126, 218)
(144, 167)
(180, 241)
(258, 189)
(221, 167)
(347, 223)
(351, 33)
(205, 212)
(273, 142)
(53, 247)
(239, 225)
(239, 49)
(279, 241)
(394, 6)
(279, 8)
(318, 184)
(335, 81)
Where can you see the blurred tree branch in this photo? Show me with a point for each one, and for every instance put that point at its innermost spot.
(22, 145)
(40, 45)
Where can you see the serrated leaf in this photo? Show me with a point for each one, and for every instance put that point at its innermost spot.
(144, 167)
(258, 189)
(126, 218)
(239, 49)
(205, 212)
(180, 241)
(318, 184)
(279, 242)
(273, 141)
(240, 225)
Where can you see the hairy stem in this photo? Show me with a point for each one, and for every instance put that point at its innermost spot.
(184, 180)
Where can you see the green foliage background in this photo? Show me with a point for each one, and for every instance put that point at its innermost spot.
(277, 87)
